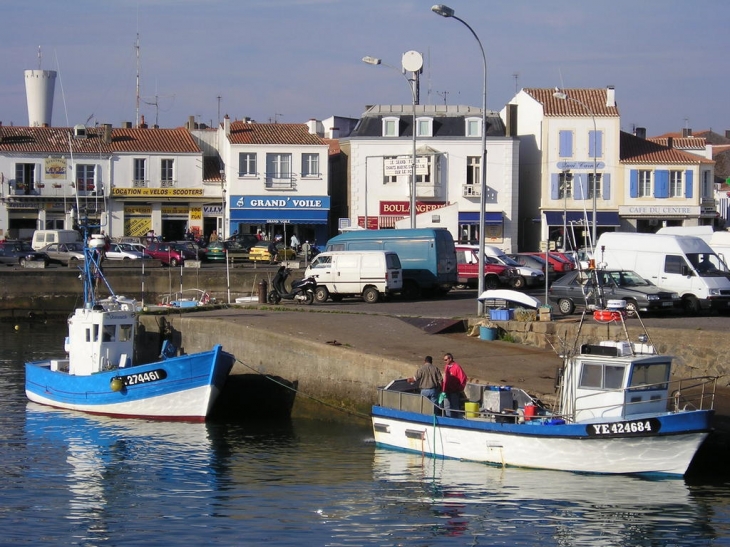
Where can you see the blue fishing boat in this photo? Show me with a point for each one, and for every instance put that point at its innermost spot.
(617, 412)
(99, 373)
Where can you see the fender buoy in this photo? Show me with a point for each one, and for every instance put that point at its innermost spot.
(607, 316)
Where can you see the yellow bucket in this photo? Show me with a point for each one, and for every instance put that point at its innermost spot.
(472, 410)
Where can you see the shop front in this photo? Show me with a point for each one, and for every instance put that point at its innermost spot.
(305, 216)
(469, 227)
(579, 226)
(649, 218)
(390, 212)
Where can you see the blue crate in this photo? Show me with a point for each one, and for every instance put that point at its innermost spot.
(501, 315)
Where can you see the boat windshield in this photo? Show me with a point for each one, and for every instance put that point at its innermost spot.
(652, 376)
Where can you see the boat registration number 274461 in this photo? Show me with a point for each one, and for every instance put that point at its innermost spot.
(649, 426)
(143, 377)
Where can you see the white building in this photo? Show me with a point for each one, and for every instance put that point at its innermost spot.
(448, 180)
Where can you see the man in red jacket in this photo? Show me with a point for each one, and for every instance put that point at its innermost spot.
(454, 384)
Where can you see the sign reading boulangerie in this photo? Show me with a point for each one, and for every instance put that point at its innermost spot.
(404, 207)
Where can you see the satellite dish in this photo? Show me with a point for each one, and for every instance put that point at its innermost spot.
(412, 61)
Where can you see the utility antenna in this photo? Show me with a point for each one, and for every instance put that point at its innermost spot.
(156, 104)
(40, 57)
(219, 109)
(442, 94)
(516, 76)
(276, 117)
(136, 48)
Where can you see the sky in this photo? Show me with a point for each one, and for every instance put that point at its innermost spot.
(294, 60)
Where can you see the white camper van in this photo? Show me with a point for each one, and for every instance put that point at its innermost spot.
(682, 264)
(41, 238)
(370, 274)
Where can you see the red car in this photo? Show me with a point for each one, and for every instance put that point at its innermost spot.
(170, 254)
(467, 267)
(561, 264)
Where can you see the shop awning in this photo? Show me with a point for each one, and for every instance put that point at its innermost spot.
(280, 216)
(473, 217)
(603, 218)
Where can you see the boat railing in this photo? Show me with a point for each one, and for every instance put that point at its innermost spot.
(680, 395)
(407, 400)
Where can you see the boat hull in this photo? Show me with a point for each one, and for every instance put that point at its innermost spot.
(178, 388)
(667, 448)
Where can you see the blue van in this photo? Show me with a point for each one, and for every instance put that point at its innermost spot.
(427, 255)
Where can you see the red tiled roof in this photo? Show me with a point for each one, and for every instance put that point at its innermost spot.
(684, 143)
(594, 99)
(637, 150)
(334, 145)
(272, 133)
(55, 140)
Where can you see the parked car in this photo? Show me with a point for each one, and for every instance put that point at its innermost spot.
(169, 254)
(120, 251)
(535, 262)
(64, 253)
(137, 247)
(20, 252)
(467, 267)
(244, 241)
(577, 289)
(260, 252)
(217, 250)
(195, 251)
(561, 263)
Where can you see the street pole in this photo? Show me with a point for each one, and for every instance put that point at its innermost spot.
(445, 11)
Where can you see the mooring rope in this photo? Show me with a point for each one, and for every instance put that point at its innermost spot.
(310, 397)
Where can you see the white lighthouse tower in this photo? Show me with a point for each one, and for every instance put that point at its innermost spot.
(39, 88)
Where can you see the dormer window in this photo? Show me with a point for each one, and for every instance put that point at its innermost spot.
(79, 131)
(473, 127)
(424, 127)
(390, 126)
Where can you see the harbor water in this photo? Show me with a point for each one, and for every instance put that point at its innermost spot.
(74, 479)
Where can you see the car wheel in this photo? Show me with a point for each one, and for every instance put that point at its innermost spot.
(321, 294)
(566, 306)
(173, 262)
(491, 282)
(519, 282)
(691, 305)
(22, 262)
(631, 308)
(370, 295)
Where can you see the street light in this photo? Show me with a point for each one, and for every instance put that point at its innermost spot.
(413, 62)
(445, 11)
(565, 97)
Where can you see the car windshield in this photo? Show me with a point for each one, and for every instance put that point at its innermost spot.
(628, 279)
(707, 264)
(508, 261)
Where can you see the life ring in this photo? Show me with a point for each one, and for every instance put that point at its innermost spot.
(607, 316)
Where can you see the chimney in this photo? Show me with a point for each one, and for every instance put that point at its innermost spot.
(107, 135)
(142, 124)
(191, 123)
(511, 121)
(610, 96)
(670, 142)
(127, 125)
(334, 132)
(640, 132)
(686, 132)
(227, 125)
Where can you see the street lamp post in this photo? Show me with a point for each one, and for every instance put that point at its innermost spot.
(445, 11)
(412, 61)
(565, 97)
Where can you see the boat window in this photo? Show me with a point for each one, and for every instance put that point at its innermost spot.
(590, 376)
(88, 335)
(95, 336)
(108, 335)
(613, 377)
(125, 332)
(653, 376)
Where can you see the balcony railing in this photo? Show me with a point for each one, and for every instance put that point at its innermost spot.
(136, 183)
(274, 182)
(167, 183)
(471, 190)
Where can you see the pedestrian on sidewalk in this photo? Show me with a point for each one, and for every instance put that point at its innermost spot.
(428, 378)
(453, 386)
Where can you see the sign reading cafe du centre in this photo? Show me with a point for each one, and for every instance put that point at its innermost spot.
(279, 209)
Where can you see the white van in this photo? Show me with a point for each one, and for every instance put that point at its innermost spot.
(41, 238)
(528, 277)
(682, 264)
(370, 274)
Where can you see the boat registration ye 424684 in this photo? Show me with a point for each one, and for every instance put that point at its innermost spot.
(649, 426)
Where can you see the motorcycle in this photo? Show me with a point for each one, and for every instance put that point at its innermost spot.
(302, 290)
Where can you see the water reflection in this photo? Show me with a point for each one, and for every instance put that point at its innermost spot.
(542, 507)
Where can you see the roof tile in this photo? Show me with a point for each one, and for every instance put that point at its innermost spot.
(594, 99)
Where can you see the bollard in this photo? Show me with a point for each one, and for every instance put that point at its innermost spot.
(263, 288)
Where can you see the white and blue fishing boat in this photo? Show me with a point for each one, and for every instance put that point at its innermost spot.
(99, 373)
(617, 412)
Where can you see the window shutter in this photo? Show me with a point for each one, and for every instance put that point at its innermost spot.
(554, 186)
(566, 144)
(688, 183)
(634, 183)
(606, 183)
(595, 145)
(661, 183)
(37, 173)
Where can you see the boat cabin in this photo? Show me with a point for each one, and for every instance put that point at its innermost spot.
(614, 380)
(102, 337)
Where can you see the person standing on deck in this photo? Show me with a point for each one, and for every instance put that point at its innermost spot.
(453, 386)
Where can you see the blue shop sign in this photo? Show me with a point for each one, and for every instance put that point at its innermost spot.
(280, 209)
